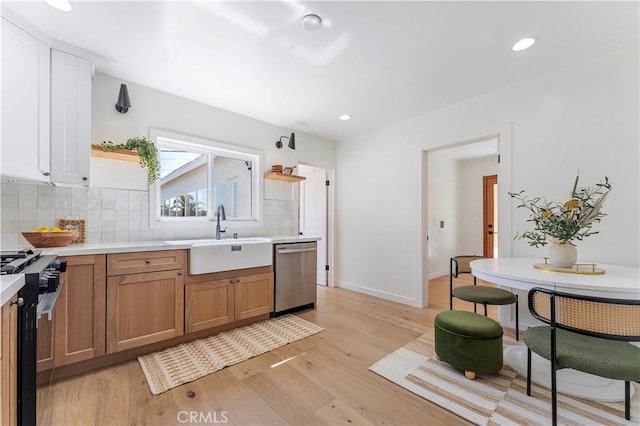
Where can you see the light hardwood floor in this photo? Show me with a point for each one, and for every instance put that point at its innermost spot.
(324, 379)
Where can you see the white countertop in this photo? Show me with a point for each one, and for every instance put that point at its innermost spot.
(296, 239)
(106, 248)
(617, 281)
(126, 247)
(10, 284)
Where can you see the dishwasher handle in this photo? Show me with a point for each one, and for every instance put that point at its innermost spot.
(285, 250)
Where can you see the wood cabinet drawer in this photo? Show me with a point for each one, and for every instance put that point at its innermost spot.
(150, 261)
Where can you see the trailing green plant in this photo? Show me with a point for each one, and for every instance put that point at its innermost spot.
(568, 221)
(146, 150)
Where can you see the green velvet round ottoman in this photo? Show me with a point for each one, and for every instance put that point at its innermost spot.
(468, 341)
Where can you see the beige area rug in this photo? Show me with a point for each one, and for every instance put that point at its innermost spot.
(499, 399)
(189, 361)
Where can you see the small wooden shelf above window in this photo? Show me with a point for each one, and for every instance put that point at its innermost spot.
(284, 177)
(115, 154)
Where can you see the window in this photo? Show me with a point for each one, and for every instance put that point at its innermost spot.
(197, 175)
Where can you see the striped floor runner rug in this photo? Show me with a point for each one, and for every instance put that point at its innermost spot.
(189, 361)
(499, 399)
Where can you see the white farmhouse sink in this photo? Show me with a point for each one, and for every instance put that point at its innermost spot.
(225, 255)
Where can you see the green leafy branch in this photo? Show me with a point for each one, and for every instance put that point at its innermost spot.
(568, 221)
(146, 150)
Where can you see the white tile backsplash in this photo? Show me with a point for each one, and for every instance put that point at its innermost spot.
(112, 215)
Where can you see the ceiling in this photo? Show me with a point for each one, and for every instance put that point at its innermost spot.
(381, 62)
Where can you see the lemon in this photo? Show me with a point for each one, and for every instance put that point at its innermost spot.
(43, 229)
(55, 229)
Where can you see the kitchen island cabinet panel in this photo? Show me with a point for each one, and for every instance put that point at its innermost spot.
(144, 308)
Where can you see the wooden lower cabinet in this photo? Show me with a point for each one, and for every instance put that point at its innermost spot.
(253, 296)
(144, 308)
(213, 303)
(8, 362)
(208, 304)
(77, 329)
(111, 303)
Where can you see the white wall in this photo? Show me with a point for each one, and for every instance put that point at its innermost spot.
(155, 109)
(582, 117)
(160, 110)
(444, 196)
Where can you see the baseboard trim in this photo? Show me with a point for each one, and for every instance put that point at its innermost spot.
(381, 294)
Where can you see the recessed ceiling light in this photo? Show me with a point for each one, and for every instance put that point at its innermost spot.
(345, 117)
(523, 44)
(62, 5)
(311, 22)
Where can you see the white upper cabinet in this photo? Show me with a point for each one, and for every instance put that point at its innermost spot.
(24, 146)
(70, 119)
(46, 107)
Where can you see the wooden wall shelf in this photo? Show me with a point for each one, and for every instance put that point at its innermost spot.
(115, 154)
(284, 177)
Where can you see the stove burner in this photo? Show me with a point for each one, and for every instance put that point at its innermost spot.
(14, 262)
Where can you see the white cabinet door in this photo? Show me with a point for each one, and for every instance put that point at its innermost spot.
(70, 118)
(25, 106)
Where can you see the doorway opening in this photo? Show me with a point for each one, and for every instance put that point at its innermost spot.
(315, 207)
(459, 214)
(442, 237)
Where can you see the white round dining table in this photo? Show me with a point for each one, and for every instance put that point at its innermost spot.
(519, 275)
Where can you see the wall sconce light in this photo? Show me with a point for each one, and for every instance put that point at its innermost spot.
(292, 141)
(123, 103)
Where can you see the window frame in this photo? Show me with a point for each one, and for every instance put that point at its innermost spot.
(211, 148)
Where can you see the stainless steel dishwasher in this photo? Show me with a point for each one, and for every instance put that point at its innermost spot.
(295, 276)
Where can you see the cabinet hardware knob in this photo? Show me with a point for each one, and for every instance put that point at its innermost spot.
(47, 174)
(179, 272)
(19, 302)
(84, 178)
(148, 261)
(238, 280)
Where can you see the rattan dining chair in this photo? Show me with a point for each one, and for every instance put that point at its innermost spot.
(589, 334)
(475, 293)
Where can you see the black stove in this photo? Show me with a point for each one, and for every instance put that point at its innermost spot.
(30, 262)
(41, 280)
(13, 262)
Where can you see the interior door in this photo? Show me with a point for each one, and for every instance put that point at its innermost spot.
(313, 215)
(490, 212)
